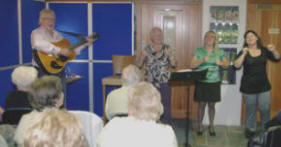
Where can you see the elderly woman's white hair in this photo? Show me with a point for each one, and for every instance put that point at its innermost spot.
(152, 32)
(145, 102)
(54, 128)
(24, 76)
(131, 75)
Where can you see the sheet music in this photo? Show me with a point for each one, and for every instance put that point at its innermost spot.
(184, 70)
(189, 70)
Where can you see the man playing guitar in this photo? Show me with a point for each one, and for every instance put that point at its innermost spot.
(42, 40)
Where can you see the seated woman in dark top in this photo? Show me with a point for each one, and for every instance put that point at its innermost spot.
(17, 103)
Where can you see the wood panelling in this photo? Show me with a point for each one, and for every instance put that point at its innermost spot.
(188, 17)
(272, 19)
(264, 1)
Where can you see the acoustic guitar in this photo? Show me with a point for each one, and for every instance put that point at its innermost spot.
(54, 64)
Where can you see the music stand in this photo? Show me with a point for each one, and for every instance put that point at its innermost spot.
(72, 79)
(188, 76)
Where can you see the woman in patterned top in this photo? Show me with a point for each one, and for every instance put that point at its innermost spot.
(157, 58)
(207, 91)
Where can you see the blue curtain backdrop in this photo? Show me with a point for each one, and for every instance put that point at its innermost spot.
(72, 17)
(10, 38)
(113, 22)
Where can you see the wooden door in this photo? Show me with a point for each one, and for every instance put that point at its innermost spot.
(181, 24)
(265, 19)
(270, 30)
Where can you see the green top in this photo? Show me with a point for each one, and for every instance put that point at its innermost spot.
(213, 74)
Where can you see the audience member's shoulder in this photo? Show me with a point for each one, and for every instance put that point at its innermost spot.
(16, 93)
(118, 121)
(85, 114)
(29, 116)
(115, 92)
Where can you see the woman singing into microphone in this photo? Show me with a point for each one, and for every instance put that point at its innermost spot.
(255, 86)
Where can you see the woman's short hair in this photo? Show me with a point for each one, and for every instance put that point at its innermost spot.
(45, 92)
(145, 102)
(152, 31)
(131, 75)
(54, 128)
(46, 12)
(24, 76)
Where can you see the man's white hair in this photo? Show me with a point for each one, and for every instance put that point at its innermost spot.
(24, 76)
(46, 12)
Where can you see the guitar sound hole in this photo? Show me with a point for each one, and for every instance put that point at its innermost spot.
(55, 65)
(63, 58)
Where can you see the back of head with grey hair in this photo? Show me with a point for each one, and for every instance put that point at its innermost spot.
(24, 76)
(145, 102)
(45, 92)
(131, 75)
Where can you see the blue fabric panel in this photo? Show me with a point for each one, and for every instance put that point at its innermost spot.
(72, 17)
(78, 92)
(113, 23)
(9, 32)
(100, 70)
(30, 21)
(6, 85)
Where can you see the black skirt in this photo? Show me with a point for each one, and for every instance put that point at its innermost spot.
(207, 92)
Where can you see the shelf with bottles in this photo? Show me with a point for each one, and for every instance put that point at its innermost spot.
(228, 75)
(225, 22)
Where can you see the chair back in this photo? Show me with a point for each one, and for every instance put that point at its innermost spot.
(121, 61)
(92, 125)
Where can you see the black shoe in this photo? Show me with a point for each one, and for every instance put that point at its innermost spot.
(249, 134)
(212, 131)
(200, 132)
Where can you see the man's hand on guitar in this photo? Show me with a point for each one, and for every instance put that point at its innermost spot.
(65, 52)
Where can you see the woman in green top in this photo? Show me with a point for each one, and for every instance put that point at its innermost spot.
(207, 91)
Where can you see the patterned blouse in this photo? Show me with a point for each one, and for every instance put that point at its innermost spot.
(157, 66)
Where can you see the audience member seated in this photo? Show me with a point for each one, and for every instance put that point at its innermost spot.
(17, 103)
(3, 142)
(7, 131)
(140, 128)
(275, 121)
(54, 128)
(117, 100)
(45, 92)
(271, 136)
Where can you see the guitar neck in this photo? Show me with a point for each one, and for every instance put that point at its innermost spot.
(83, 41)
(73, 46)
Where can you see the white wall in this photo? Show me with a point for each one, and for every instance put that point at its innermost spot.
(228, 111)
